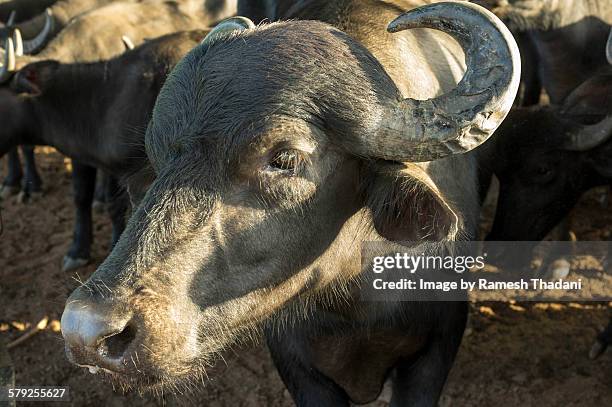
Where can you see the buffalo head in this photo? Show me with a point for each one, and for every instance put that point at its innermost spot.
(547, 157)
(276, 151)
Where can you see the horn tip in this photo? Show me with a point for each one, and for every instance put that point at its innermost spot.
(401, 22)
(245, 22)
(232, 24)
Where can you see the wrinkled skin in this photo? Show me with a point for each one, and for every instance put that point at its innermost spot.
(258, 200)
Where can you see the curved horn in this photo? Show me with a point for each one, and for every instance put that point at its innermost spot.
(36, 43)
(127, 41)
(609, 48)
(228, 26)
(11, 19)
(8, 63)
(461, 120)
(18, 42)
(588, 137)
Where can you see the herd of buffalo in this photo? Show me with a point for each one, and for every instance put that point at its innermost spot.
(256, 144)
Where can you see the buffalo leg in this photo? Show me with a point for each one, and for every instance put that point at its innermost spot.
(419, 381)
(118, 203)
(307, 386)
(83, 184)
(32, 183)
(12, 182)
(102, 192)
(601, 343)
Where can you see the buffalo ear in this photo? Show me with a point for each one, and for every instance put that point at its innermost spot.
(407, 207)
(32, 78)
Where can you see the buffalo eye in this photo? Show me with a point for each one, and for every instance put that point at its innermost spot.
(286, 160)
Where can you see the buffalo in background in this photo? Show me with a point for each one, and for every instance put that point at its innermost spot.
(96, 35)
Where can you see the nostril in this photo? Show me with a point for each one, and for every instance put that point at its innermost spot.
(115, 346)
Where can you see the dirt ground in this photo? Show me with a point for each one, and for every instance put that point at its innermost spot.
(513, 354)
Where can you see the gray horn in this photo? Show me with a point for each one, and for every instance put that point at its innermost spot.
(7, 66)
(586, 137)
(226, 27)
(127, 42)
(35, 44)
(18, 42)
(11, 19)
(464, 118)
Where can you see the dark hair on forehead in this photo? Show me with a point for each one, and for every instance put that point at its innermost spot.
(305, 70)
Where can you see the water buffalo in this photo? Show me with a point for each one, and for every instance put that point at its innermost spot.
(276, 151)
(37, 22)
(551, 155)
(50, 103)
